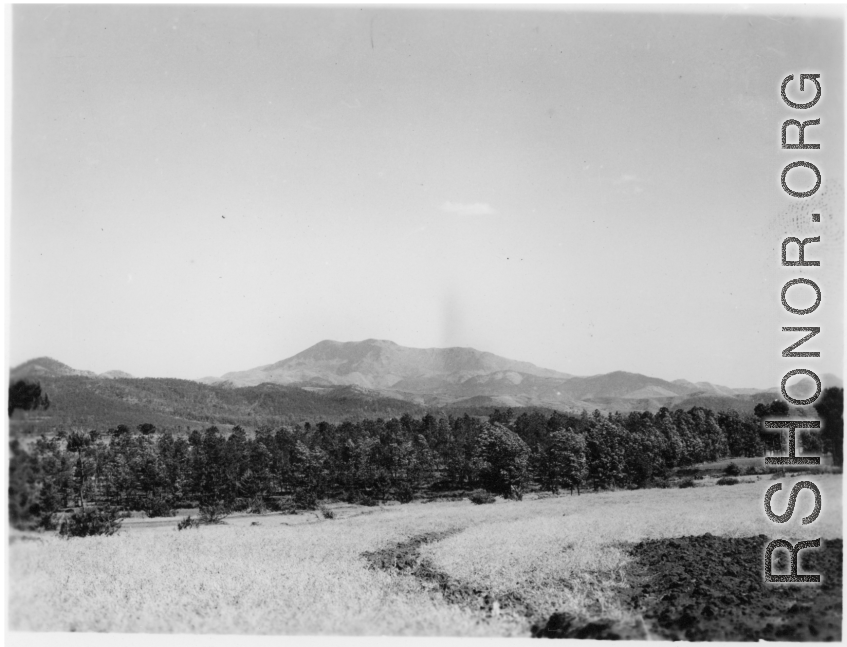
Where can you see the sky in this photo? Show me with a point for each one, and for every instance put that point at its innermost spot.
(204, 189)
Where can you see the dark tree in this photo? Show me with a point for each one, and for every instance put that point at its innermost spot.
(459, 451)
(532, 428)
(775, 408)
(830, 409)
(742, 434)
(605, 452)
(147, 428)
(26, 396)
(644, 449)
(501, 417)
(78, 442)
(23, 486)
(564, 463)
(502, 461)
(120, 430)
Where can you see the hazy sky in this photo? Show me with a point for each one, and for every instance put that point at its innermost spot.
(204, 189)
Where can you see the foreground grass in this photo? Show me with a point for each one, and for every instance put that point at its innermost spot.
(567, 553)
(268, 579)
(560, 554)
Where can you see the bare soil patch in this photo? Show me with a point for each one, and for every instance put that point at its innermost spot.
(711, 588)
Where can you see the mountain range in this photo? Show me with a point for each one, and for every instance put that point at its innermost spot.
(465, 376)
(370, 375)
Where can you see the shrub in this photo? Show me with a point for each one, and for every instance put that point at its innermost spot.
(663, 484)
(405, 493)
(257, 505)
(822, 469)
(732, 470)
(159, 507)
(188, 522)
(275, 505)
(480, 497)
(135, 504)
(239, 505)
(327, 513)
(305, 499)
(752, 470)
(688, 471)
(446, 497)
(287, 507)
(47, 522)
(778, 474)
(90, 522)
(687, 483)
(214, 513)
(368, 501)
(728, 480)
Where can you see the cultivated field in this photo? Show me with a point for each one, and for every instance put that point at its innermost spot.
(305, 574)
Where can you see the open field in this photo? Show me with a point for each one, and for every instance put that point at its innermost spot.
(305, 575)
(748, 462)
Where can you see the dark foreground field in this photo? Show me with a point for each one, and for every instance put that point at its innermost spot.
(711, 588)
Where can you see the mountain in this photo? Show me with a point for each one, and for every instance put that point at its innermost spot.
(804, 386)
(378, 364)
(465, 376)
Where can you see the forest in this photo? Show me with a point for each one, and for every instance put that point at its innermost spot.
(401, 458)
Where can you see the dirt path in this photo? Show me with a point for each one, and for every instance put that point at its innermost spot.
(404, 558)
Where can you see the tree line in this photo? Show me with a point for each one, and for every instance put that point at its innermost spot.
(374, 460)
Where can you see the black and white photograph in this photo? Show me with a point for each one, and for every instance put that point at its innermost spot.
(443, 321)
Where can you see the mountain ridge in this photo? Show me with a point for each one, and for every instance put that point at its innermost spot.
(383, 371)
(458, 373)
(381, 364)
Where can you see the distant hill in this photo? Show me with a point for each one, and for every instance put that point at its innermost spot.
(115, 374)
(101, 403)
(49, 367)
(45, 367)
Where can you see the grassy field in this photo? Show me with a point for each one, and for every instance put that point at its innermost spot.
(755, 461)
(305, 575)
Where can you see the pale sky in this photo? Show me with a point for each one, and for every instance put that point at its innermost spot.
(205, 189)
